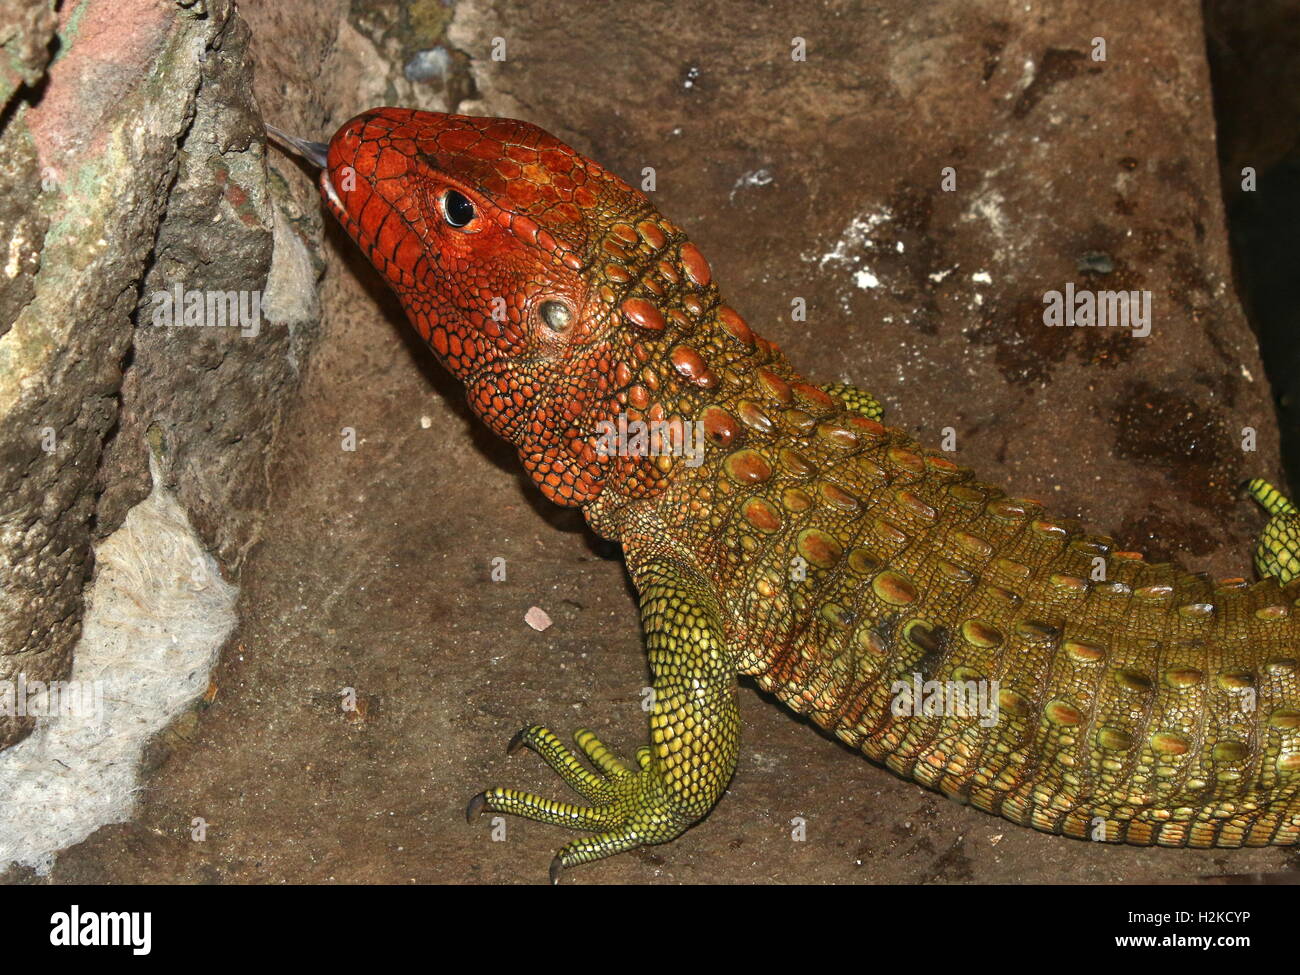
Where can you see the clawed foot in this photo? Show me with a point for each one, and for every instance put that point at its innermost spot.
(629, 807)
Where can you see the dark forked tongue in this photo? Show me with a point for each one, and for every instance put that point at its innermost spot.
(313, 152)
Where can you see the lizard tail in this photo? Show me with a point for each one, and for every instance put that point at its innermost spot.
(1278, 551)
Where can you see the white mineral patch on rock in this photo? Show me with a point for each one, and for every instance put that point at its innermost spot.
(157, 614)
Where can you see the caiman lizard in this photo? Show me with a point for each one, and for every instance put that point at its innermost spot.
(830, 557)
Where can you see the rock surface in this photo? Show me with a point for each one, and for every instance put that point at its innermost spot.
(136, 166)
(818, 179)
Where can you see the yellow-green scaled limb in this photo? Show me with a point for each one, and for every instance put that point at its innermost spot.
(694, 735)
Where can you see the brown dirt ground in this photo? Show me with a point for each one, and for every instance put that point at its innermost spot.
(374, 569)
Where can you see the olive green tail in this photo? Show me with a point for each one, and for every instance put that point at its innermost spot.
(1277, 553)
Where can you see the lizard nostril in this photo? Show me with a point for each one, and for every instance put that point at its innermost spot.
(556, 314)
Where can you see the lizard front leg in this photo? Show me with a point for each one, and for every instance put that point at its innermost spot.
(694, 735)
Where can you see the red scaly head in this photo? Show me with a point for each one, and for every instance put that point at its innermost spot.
(545, 283)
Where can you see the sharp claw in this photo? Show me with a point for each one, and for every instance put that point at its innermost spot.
(516, 743)
(557, 868)
(475, 806)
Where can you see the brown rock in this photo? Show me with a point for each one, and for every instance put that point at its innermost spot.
(795, 179)
(140, 166)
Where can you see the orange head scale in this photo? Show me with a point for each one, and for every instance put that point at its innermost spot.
(550, 287)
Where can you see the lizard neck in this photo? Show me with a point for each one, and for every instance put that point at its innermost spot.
(641, 397)
(687, 397)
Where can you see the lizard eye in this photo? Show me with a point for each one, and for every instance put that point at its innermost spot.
(556, 314)
(457, 209)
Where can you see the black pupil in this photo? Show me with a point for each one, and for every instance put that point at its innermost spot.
(458, 209)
